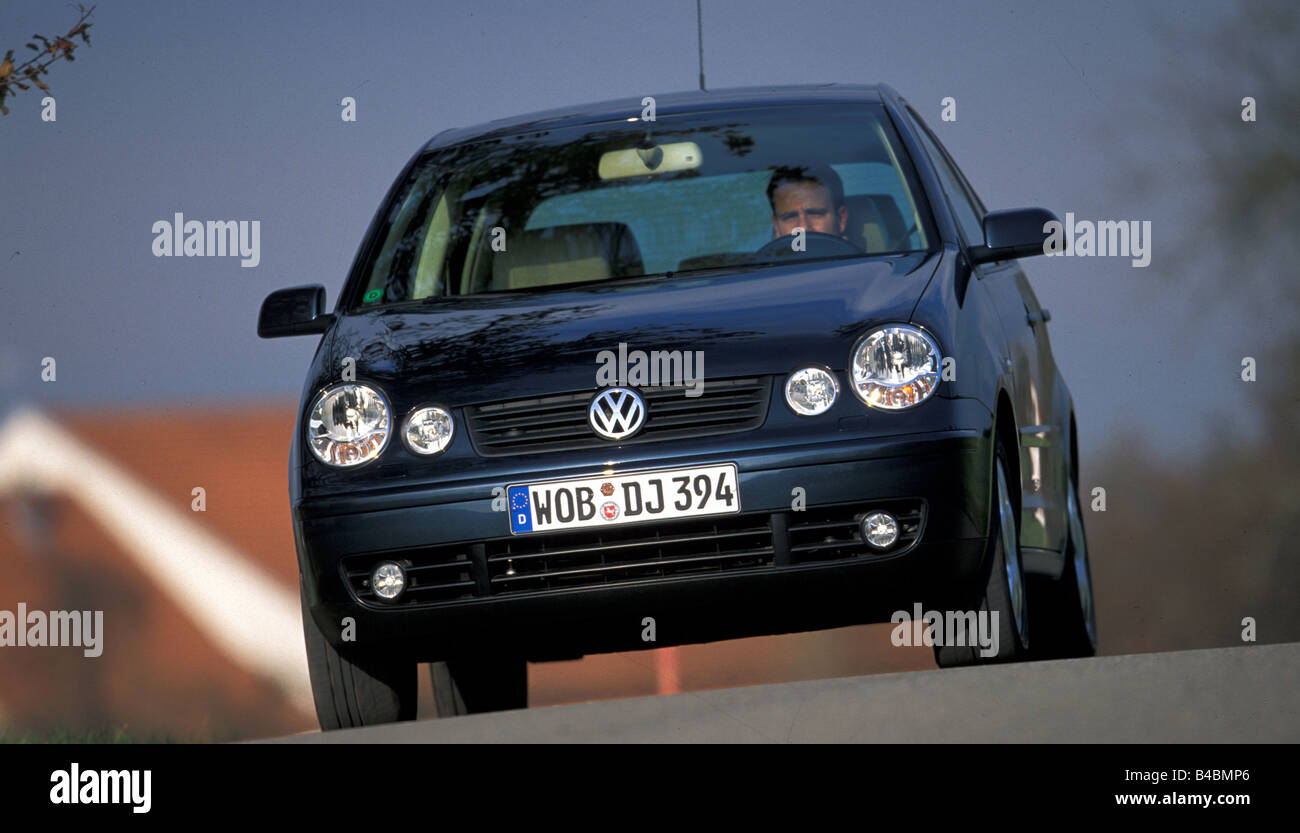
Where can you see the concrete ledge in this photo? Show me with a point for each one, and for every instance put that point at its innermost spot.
(1220, 695)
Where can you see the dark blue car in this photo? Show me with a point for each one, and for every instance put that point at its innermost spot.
(670, 370)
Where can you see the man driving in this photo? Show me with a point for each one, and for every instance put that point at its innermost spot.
(810, 197)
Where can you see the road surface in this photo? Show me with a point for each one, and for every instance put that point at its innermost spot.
(1223, 695)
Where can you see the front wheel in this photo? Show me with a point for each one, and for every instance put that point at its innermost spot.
(471, 686)
(352, 691)
(1003, 613)
(1069, 621)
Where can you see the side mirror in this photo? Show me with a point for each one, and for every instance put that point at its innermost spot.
(297, 311)
(1016, 232)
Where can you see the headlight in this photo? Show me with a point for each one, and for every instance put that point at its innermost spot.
(810, 391)
(428, 430)
(895, 367)
(348, 425)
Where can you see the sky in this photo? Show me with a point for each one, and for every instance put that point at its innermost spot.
(232, 111)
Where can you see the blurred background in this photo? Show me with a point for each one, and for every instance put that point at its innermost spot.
(1115, 111)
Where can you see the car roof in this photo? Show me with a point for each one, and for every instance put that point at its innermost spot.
(666, 104)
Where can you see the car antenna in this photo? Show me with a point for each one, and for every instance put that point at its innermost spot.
(699, 28)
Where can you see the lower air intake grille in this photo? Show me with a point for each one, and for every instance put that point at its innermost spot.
(827, 533)
(586, 558)
(637, 552)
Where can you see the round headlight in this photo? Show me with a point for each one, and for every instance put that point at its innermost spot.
(811, 391)
(348, 425)
(895, 367)
(428, 430)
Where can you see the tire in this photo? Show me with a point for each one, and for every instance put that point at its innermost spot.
(353, 691)
(1066, 619)
(478, 685)
(1004, 589)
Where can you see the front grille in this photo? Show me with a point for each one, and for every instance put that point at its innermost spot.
(559, 422)
(599, 556)
(433, 574)
(645, 552)
(828, 533)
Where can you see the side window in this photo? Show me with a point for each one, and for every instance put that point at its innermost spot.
(968, 215)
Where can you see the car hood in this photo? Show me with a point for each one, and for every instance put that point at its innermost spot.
(461, 351)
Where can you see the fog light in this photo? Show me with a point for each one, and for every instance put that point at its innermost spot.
(880, 530)
(388, 580)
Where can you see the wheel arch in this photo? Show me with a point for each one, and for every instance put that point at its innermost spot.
(1074, 450)
(1005, 428)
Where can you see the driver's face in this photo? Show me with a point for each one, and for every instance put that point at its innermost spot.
(807, 206)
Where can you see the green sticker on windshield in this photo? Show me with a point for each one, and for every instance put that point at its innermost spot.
(373, 295)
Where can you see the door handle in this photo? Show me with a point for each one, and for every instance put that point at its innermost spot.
(1034, 317)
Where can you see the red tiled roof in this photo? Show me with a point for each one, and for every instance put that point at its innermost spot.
(238, 453)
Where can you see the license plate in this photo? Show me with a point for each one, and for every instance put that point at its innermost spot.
(613, 499)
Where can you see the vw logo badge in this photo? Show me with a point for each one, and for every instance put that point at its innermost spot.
(616, 413)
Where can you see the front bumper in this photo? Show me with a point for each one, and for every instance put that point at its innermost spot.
(945, 473)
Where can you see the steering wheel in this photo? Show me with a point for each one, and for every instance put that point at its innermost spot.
(816, 244)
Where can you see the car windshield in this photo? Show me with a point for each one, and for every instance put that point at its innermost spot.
(554, 207)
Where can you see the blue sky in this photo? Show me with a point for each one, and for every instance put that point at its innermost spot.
(231, 110)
